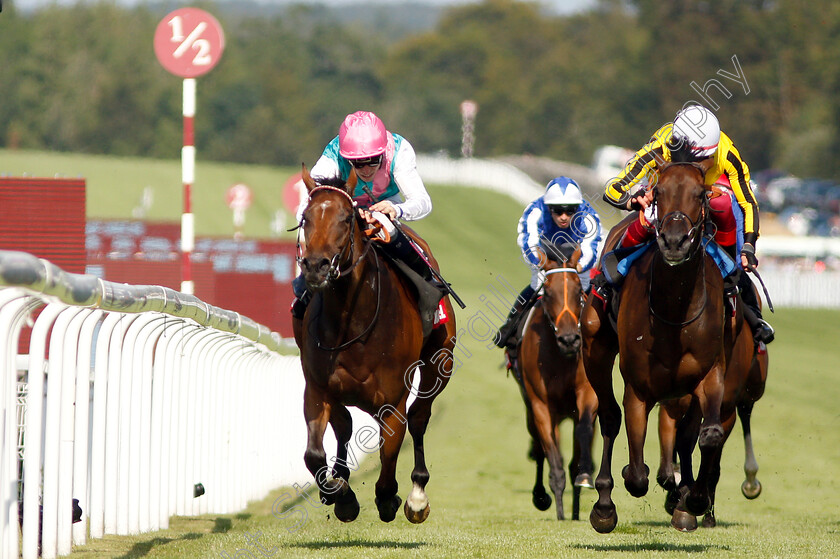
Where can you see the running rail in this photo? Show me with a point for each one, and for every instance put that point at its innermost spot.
(21, 269)
(135, 403)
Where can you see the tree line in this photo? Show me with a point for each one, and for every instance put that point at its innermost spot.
(85, 78)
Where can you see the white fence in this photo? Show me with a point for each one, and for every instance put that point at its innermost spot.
(133, 400)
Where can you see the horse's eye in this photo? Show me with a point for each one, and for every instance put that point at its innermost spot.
(348, 219)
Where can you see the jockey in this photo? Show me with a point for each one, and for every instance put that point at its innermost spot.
(561, 215)
(699, 127)
(388, 188)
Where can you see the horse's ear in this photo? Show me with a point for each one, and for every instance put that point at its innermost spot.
(307, 178)
(351, 181)
(706, 164)
(573, 261)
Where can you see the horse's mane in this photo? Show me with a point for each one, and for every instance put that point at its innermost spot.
(681, 151)
(559, 253)
(335, 182)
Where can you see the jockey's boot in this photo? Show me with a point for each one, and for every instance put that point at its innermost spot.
(302, 297)
(761, 329)
(506, 332)
(401, 248)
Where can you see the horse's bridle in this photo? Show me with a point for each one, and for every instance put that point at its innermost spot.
(677, 215)
(555, 323)
(335, 270)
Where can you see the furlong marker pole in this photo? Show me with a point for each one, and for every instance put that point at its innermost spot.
(188, 178)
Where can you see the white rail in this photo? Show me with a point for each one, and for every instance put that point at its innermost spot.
(137, 399)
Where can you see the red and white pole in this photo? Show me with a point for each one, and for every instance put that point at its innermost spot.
(188, 178)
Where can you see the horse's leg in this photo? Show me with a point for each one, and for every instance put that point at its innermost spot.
(709, 520)
(587, 409)
(687, 433)
(636, 472)
(751, 488)
(581, 466)
(316, 413)
(346, 506)
(434, 376)
(710, 396)
(556, 471)
(393, 433)
(539, 497)
(667, 435)
(599, 350)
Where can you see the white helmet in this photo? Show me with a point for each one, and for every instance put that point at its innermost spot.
(698, 126)
(562, 191)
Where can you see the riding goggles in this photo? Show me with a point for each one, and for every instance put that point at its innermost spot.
(366, 162)
(568, 209)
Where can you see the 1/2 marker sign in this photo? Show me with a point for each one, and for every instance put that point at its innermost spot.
(189, 42)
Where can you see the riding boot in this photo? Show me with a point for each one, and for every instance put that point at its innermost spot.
(762, 331)
(508, 329)
(302, 297)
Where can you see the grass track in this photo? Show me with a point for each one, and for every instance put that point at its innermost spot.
(476, 446)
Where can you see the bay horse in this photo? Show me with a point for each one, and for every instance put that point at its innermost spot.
(553, 383)
(679, 423)
(670, 339)
(360, 340)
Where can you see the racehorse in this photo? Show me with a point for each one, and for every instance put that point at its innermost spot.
(552, 381)
(670, 338)
(360, 341)
(679, 422)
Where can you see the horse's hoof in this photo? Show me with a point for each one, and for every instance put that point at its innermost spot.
(709, 520)
(751, 490)
(416, 516)
(541, 499)
(683, 520)
(388, 509)
(417, 505)
(347, 507)
(603, 524)
(584, 480)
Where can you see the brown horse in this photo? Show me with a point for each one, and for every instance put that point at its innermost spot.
(554, 385)
(679, 423)
(670, 339)
(360, 341)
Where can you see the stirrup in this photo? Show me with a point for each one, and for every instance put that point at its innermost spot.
(764, 333)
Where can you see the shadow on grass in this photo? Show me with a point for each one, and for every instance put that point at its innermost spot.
(360, 543)
(222, 525)
(666, 523)
(667, 547)
(143, 548)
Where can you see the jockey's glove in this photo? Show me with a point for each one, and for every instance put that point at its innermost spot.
(748, 251)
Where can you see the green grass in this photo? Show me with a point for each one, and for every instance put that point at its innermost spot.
(476, 445)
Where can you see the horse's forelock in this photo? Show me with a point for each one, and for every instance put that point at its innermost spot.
(681, 151)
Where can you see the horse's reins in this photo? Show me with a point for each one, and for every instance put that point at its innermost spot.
(692, 232)
(336, 272)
